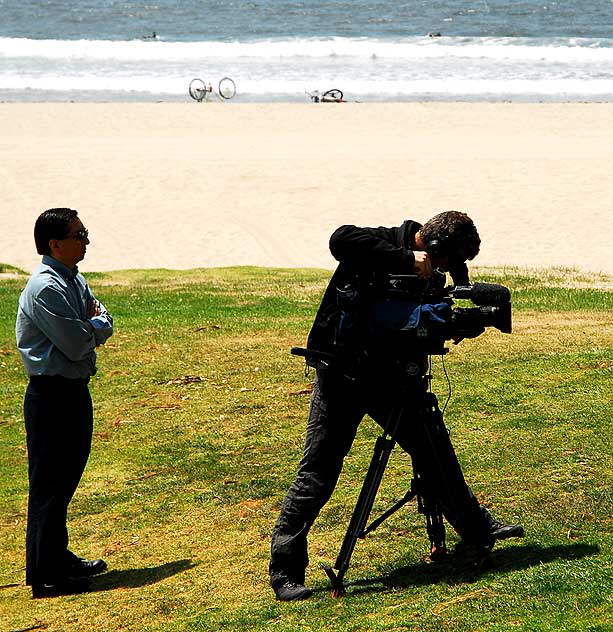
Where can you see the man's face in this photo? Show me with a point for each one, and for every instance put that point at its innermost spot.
(72, 248)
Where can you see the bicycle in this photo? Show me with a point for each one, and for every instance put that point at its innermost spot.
(329, 96)
(200, 91)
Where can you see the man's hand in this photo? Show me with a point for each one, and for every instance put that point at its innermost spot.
(92, 308)
(423, 265)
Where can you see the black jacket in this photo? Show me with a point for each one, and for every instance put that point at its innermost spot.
(363, 254)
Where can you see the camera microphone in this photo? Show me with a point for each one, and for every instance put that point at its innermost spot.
(483, 293)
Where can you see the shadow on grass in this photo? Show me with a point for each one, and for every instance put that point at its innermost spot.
(457, 570)
(138, 577)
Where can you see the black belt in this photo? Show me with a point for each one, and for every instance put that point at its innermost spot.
(58, 380)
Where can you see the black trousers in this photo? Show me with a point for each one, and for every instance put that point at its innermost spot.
(59, 423)
(337, 407)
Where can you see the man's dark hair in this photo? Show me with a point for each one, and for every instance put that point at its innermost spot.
(54, 223)
(454, 232)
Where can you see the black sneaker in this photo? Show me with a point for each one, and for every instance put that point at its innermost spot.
(500, 531)
(485, 540)
(292, 591)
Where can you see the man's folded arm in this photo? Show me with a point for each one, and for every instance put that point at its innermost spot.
(102, 323)
(57, 319)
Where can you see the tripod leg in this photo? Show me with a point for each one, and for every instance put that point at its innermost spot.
(363, 507)
(435, 528)
(430, 472)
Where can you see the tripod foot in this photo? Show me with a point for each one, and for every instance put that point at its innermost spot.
(475, 554)
(338, 590)
(438, 552)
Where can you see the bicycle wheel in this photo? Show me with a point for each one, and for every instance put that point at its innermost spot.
(332, 95)
(197, 89)
(227, 88)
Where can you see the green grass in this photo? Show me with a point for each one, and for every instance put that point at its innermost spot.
(5, 268)
(200, 413)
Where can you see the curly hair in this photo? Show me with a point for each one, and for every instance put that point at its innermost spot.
(54, 223)
(455, 232)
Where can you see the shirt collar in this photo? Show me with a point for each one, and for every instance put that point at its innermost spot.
(58, 266)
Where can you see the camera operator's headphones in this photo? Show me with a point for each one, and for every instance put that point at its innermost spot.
(439, 248)
(445, 246)
(442, 247)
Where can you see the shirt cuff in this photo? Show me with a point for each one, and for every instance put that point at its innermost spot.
(103, 329)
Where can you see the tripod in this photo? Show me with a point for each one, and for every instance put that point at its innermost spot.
(434, 449)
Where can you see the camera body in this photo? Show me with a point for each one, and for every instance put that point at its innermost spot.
(399, 314)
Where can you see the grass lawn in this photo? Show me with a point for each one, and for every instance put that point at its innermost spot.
(199, 420)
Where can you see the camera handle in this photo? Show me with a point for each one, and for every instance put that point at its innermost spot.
(321, 360)
(426, 505)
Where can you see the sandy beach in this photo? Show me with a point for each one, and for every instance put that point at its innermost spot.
(200, 185)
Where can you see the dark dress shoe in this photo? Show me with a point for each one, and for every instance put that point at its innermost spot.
(87, 568)
(66, 586)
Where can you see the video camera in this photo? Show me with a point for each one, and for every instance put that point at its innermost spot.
(405, 311)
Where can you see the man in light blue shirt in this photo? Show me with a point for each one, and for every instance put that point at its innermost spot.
(59, 325)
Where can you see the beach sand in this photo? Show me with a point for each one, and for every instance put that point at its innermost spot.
(201, 185)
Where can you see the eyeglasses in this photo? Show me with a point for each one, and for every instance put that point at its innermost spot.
(81, 235)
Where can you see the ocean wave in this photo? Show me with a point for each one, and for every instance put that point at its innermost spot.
(353, 89)
(551, 50)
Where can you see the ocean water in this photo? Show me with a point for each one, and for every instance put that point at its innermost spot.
(281, 50)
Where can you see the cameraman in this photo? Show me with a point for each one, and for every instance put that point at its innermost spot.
(340, 401)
